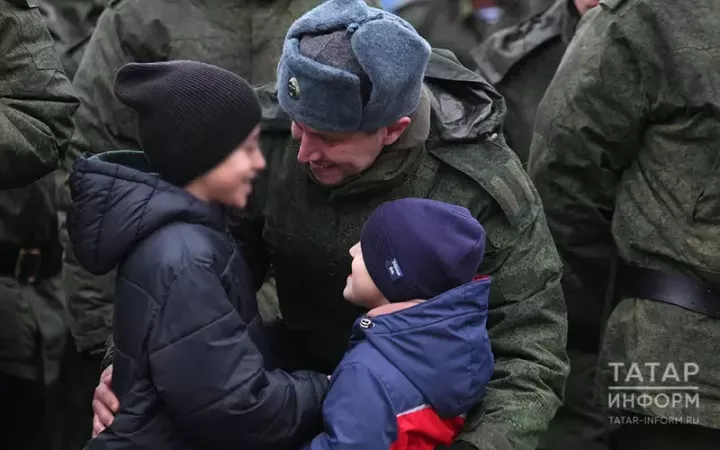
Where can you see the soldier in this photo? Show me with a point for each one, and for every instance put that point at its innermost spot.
(71, 23)
(35, 126)
(460, 25)
(626, 156)
(36, 100)
(521, 60)
(347, 150)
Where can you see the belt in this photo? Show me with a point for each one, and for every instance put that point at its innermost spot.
(671, 288)
(29, 265)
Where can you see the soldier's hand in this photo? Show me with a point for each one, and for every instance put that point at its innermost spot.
(104, 404)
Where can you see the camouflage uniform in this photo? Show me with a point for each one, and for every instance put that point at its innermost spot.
(71, 23)
(520, 61)
(626, 157)
(36, 102)
(305, 231)
(458, 26)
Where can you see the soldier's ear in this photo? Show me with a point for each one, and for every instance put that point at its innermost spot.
(394, 131)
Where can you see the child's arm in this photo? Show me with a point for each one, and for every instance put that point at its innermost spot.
(357, 413)
(211, 375)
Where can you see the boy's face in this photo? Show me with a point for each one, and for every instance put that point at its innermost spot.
(230, 183)
(360, 288)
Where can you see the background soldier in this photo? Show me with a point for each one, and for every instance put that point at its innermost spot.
(71, 23)
(521, 60)
(35, 109)
(626, 156)
(460, 25)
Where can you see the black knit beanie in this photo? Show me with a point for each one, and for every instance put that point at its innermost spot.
(191, 116)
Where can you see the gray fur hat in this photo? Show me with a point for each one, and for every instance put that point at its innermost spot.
(348, 67)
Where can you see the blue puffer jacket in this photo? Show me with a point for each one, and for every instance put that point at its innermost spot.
(191, 366)
(410, 376)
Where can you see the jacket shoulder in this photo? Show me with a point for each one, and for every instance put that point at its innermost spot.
(366, 359)
(503, 49)
(486, 172)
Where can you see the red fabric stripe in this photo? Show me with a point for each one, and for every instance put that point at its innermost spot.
(424, 430)
(480, 277)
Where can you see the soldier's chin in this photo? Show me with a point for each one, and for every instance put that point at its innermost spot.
(327, 175)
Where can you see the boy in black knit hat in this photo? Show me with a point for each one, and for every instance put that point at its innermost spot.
(192, 369)
(420, 359)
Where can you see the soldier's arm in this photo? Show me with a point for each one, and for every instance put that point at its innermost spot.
(527, 328)
(588, 130)
(36, 101)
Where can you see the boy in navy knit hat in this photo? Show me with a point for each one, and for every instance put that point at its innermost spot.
(421, 357)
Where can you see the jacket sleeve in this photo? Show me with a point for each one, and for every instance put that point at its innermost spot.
(527, 326)
(357, 413)
(589, 129)
(210, 373)
(36, 101)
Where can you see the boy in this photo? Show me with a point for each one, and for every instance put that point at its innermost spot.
(192, 369)
(420, 359)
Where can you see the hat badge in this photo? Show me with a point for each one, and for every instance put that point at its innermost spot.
(294, 88)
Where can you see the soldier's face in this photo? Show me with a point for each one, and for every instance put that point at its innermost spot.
(230, 183)
(583, 6)
(333, 157)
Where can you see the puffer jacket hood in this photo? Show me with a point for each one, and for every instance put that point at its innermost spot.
(118, 202)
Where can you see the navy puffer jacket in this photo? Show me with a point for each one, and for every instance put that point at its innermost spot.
(191, 366)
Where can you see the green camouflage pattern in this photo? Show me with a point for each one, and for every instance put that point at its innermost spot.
(306, 230)
(71, 23)
(32, 316)
(36, 101)
(243, 36)
(626, 157)
(520, 61)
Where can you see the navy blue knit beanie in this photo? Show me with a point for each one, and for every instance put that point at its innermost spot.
(348, 67)
(418, 249)
(191, 116)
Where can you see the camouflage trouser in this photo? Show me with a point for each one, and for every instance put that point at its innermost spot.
(580, 424)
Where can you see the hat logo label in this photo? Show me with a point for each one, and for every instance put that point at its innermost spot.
(393, 268)
(294, 88)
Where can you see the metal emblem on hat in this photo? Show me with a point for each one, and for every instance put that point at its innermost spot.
(294, 88)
